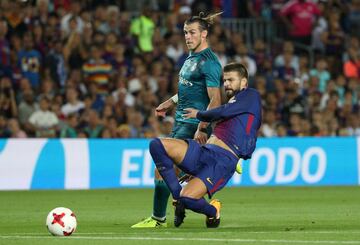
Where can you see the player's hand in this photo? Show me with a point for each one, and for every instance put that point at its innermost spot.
(190, 113)
(200, 137)
(161, 110)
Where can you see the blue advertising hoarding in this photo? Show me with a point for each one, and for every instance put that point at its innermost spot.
(97, 163)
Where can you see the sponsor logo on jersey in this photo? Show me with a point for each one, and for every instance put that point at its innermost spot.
(185, 82)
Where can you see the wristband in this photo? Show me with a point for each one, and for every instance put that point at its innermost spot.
(204, 130)
(175, 98)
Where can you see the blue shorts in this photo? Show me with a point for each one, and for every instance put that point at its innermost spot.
(212, 164)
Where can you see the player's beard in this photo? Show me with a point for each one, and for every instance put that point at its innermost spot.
(229, 93)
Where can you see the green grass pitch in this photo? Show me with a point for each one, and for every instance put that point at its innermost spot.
(259, 215)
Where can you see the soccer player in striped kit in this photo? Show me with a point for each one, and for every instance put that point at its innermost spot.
(212, 165)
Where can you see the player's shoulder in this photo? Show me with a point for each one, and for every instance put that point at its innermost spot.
(208, 55)
(249, 92)
(254, 91)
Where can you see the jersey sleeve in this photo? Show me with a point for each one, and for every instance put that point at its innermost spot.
(212, 71)
(246, 103)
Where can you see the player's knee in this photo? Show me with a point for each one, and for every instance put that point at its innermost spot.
(155, 145)
(187, 193)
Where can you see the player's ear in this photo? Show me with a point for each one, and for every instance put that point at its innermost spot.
(204, 34)
(243, 83)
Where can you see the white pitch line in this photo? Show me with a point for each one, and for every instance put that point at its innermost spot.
(164, 232)
(187, 239)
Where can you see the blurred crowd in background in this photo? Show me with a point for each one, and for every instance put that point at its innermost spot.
(98, 69)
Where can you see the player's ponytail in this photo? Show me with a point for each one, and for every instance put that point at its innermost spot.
(205, 21)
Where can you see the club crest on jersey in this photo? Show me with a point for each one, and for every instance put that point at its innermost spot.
(190, 65)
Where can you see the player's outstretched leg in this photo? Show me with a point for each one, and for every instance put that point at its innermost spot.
(214, 222)
(164, 165)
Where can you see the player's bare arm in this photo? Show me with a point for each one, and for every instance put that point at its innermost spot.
(161, 110)
(215, 101)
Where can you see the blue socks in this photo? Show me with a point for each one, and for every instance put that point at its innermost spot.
(199, 206)
(164, 164)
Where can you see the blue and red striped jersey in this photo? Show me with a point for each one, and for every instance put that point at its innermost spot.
(238, 121)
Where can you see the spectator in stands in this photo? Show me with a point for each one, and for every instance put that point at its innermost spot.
(110, 46)
(322, 73)
(30, 61)
(333, 36)
(242, 56)
(13, 13)
(220, 50)
(124, 131)
(351, 67)
(94, 126)
(111, 126)
(74, 52)
(285, 72)
(97, 70)
(73, 105)
(260, 55)
(112, 23)
(135, 122)
(143, 30)
(295, 124)
(42, 13)
(55, 64)
(281, 130)
(8, 105)
(70, 128)
(174, 49)
(354, 89)
(47, 90)
(44, 122)
(299, 17)
(27, 106)
(292, 59)
(72, 20)
(268, 127)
